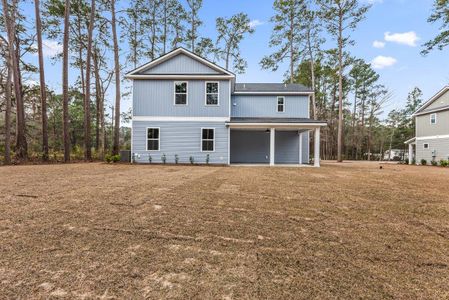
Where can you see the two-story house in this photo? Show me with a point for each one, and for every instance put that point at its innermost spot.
(186, 108)
(431, 141)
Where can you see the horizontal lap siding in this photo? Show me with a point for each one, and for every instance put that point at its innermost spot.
(181, 138)
(181, 64)
(156, 98)
(250, 146)
(441, 146)
(266, 106)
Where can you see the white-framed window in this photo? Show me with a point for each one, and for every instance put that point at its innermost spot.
(181, 92)
(426, 145)
(280, 104)
(212, 93)
(433, 118)
(207, 139)
(153, 138)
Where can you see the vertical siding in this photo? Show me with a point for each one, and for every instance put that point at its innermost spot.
(266, 106)
(441, 146)
(181, 64)
(181, 138)
(156, 98)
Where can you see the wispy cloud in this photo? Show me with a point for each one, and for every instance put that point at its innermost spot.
(254, 23)
(50, 48)
(374, 1)
(406, 38)
(381, 62)
(378, 44)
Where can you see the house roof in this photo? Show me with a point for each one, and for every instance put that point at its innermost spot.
(275, 120)
(431, 100)
(137, 73)
(278, 88)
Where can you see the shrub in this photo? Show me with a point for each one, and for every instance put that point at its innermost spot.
(192, 160)
(150, 159)
(434, 163)
(444, 163)
(207, 159)
(176, 158)
(115, 158)
(423, 162)
(164, 158)
(108, 158)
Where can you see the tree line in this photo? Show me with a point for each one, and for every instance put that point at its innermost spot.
(83, 122)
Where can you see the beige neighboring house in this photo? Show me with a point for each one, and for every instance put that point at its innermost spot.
(431, 141)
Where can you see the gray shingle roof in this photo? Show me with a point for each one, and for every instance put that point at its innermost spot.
(271, 87)
(274, 120)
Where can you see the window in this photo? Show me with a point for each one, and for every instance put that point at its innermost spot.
(181, 93)
(153, 138)
(433, 118)
(211, 93)
(207, 139)
(426, 146)
(281, 104)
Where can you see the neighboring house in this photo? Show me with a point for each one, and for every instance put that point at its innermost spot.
(431, 141)
(187, 107)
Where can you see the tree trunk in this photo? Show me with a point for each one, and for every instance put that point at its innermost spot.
(115, 148)
(21, 142)
(87, 117)
(340, 92)
(8, 114)
(42, 83)
(65, 82)
(97, 99)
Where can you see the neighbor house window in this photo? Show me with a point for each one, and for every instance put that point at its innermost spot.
(211, 93)
(433, 118)
(426, 146)
(153, 139)
(181, 93)
(207, 139)
(281, 104)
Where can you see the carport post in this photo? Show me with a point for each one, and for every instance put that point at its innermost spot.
(410, 153)
(300, 147)
(272, 133)
(316, 156)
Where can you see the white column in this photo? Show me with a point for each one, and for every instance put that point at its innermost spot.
(272, 137)
(316, 157)
(300, 148)
(410, 153)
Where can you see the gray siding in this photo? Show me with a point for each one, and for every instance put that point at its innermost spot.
(156, 98)
(287, 147)
(443, 100)
(181, 138)
(424, 128)
(266, 106)
(441, 147)
(181, 64)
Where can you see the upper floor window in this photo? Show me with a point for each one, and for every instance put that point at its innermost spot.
(181, 93)
(281, 104)
(153, 139)
(433, 118)
(211, 93)
(207, 139)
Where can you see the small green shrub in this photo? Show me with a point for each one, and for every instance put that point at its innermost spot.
(115, 158)
(423, 162)
(150, 159)
(444, 163)
(164, 158)
(192, 160)
(176, 158)
(207, 159)
(108, 158)
(434, 163)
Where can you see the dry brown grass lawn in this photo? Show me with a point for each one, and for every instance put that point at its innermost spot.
(122, 231)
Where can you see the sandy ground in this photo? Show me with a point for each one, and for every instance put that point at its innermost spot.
(348, 230)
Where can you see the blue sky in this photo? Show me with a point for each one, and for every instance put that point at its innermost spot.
(390, 37)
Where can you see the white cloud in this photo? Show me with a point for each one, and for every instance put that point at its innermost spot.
(50, 48)
(374, 1)
(406, 38)
(380, 62)
(254, 23)
(378, 44)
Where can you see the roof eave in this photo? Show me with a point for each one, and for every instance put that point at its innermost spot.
(431, 100)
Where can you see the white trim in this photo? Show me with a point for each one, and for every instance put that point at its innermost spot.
(186, 93)
(283, 104)
(273, 93)
(272, 145)
(316, 155)
(430, 118)
(291, 125)
(179, 119)
(158, 139)
(174, 53)
(218, 93)
(229, 145)
(201, 140)
(300, 148)
(431, 100)
(230, 98)
(438, 109)
(432, 137)
(424, 146)
(175, 76)
(410, 141)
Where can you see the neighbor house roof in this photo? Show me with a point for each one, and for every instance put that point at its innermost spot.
(271, 88)
(430, 101)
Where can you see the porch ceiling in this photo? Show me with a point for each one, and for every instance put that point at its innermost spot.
(305, 123)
